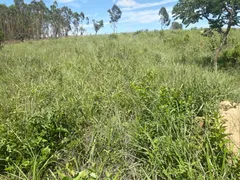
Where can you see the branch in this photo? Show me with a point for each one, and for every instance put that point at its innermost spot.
(206, 17)
(220, 15)
(227, 9)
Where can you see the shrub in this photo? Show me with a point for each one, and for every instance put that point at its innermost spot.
(230, 58)
(176, 26)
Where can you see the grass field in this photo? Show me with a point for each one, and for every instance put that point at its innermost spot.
(128, 106)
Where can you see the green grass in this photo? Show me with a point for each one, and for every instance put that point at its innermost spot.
(124, 107)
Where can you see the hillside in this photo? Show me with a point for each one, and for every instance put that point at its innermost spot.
(128, 106)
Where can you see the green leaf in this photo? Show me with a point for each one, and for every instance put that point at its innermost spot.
(83, 174)
(93, 175)
(46, 151)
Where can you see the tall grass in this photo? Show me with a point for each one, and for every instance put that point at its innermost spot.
(126, 107)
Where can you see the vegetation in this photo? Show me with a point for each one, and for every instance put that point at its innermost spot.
(164, 17)
(115, 14)
(35, 20)
(231, 57)
(122, 106)
(1, 39)
(98, 25)
(176, 25)
(115, 107)
(218, 13)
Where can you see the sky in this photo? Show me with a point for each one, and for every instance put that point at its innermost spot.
(136, 14)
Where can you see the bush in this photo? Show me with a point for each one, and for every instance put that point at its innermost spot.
(230, 58)
(176, 26)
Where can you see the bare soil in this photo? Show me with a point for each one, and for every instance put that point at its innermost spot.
(230, 113)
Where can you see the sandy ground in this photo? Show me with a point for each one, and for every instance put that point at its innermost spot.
(230, 113)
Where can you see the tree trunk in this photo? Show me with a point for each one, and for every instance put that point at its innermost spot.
(56, 32)
(217, 52)
(219, 49)
(224, 38)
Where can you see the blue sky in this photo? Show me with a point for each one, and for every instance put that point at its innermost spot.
(137, 14)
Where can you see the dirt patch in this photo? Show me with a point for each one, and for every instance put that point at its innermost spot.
(230, 113)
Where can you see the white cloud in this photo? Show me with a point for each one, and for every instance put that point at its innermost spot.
(73, 2)
(146, 16)
(129, 5)
(66, 1)
(142, 17)
(139, 13)
(126, 3)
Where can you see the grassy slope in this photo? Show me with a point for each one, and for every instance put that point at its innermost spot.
(120, 108)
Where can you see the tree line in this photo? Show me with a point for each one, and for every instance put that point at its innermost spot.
(35, 20)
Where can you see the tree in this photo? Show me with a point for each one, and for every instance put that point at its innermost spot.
(115, 14)
(97, 25)
(66, 17)
(76, 19)
(4, 11)
(38, 12)
(82, 17)
(164, 17)
(82, 30)
(218, 13)
(176, 26)
(1, 39)
(20, 20)
(56, 18)
(87, 20)
(34, 20)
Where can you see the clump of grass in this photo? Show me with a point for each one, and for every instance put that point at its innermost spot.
(168, 139)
